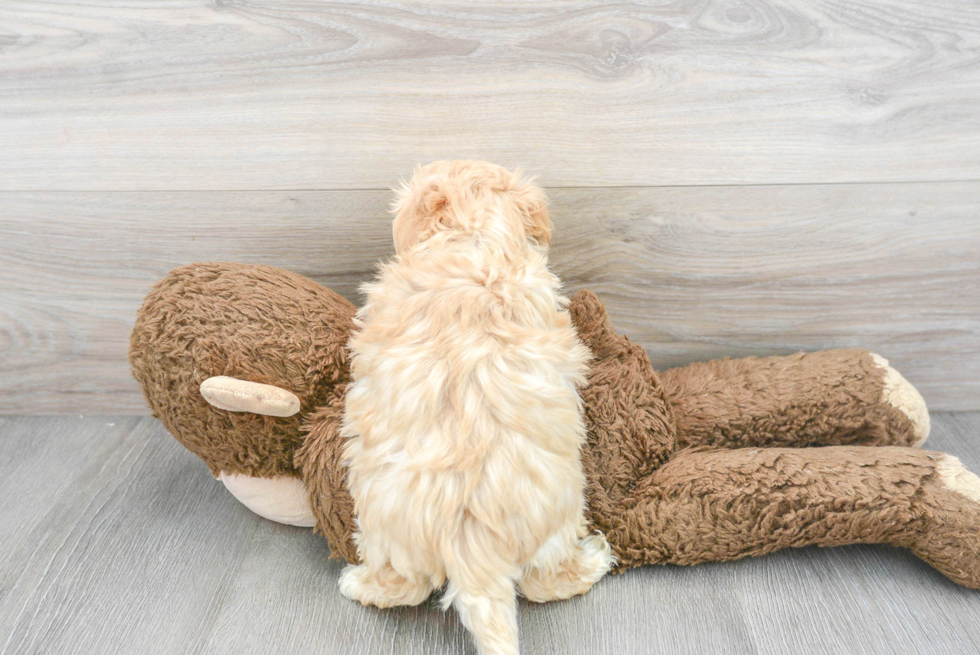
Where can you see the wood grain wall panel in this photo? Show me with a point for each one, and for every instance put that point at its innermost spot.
(135, 95)
(691, 273)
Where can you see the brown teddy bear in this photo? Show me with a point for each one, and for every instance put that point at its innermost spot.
(246, 366)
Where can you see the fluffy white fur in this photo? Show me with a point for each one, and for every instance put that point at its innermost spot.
(463, 419)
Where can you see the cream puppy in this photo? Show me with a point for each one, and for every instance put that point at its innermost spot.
(463, 419)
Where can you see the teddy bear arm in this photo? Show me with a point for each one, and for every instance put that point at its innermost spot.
(716, 505)
(833, 397)
(628, 417)
(321, 463)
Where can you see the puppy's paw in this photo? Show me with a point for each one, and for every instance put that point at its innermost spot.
(589, 559)
(382, 587)
(597, 556)
(351, 582)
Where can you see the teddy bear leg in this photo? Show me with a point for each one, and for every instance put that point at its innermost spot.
(833, 397)
(900, 394)
(949, 538)
(717, 505)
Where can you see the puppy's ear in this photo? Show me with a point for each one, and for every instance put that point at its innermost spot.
(532, 203)
(421, 208)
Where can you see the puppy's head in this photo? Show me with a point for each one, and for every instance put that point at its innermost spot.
(469, 197)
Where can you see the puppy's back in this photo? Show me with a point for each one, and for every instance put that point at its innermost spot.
(464, 422)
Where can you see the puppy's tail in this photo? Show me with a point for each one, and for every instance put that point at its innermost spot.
(490, 613)
(481, 588)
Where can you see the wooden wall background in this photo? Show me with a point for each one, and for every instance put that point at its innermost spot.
(733, 178)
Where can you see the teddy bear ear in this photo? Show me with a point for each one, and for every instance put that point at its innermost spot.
(532, 203)
(234, 395)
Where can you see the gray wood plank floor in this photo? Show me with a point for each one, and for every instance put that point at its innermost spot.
(116, 540)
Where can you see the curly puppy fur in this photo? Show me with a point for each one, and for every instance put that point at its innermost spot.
(464, 424)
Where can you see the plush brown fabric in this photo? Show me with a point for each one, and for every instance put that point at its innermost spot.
(722, 505)
(654, 486)
(321, 461)
(715, 505)
(814, 399)
(250, 322)
(630, 424)
(945, 532)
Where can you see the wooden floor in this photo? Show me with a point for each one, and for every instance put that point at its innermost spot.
(116, 540)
